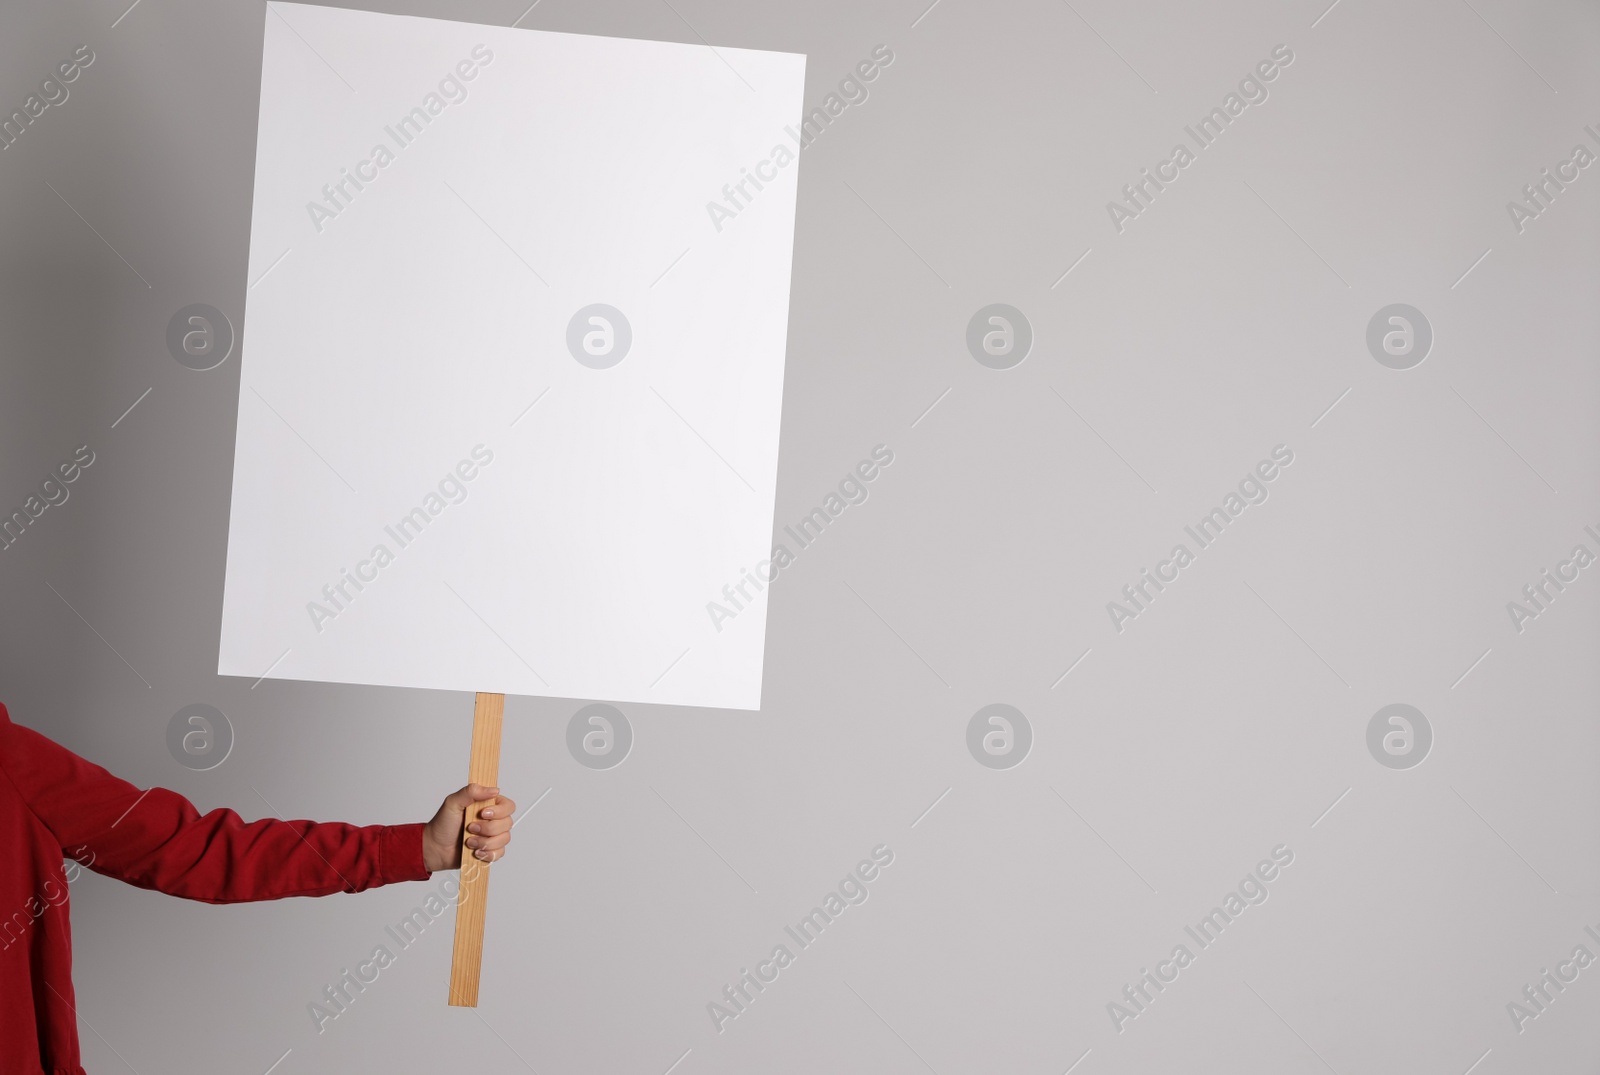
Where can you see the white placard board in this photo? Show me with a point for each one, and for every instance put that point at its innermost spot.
(442, 476)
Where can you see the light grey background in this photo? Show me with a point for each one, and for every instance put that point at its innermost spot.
(1226, 720)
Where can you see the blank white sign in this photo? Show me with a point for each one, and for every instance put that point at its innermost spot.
(444, 476)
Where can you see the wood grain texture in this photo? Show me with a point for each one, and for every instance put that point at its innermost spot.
(467, 962)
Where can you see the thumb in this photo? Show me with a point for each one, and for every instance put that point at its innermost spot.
(458, 801)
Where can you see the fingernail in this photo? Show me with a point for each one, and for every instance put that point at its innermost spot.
(487, 813)
(482, 855)
(473, 843)
(473, 828)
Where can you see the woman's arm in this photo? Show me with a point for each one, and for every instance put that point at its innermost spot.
(156, 838)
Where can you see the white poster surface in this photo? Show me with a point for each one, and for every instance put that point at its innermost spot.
(512, 360)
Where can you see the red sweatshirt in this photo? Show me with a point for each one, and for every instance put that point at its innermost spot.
(54, 804)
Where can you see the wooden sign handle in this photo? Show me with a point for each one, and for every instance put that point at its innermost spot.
(484, 769)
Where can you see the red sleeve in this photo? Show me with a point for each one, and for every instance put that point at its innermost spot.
(157, 839)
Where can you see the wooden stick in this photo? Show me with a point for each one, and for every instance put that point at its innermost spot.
(484, 769)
